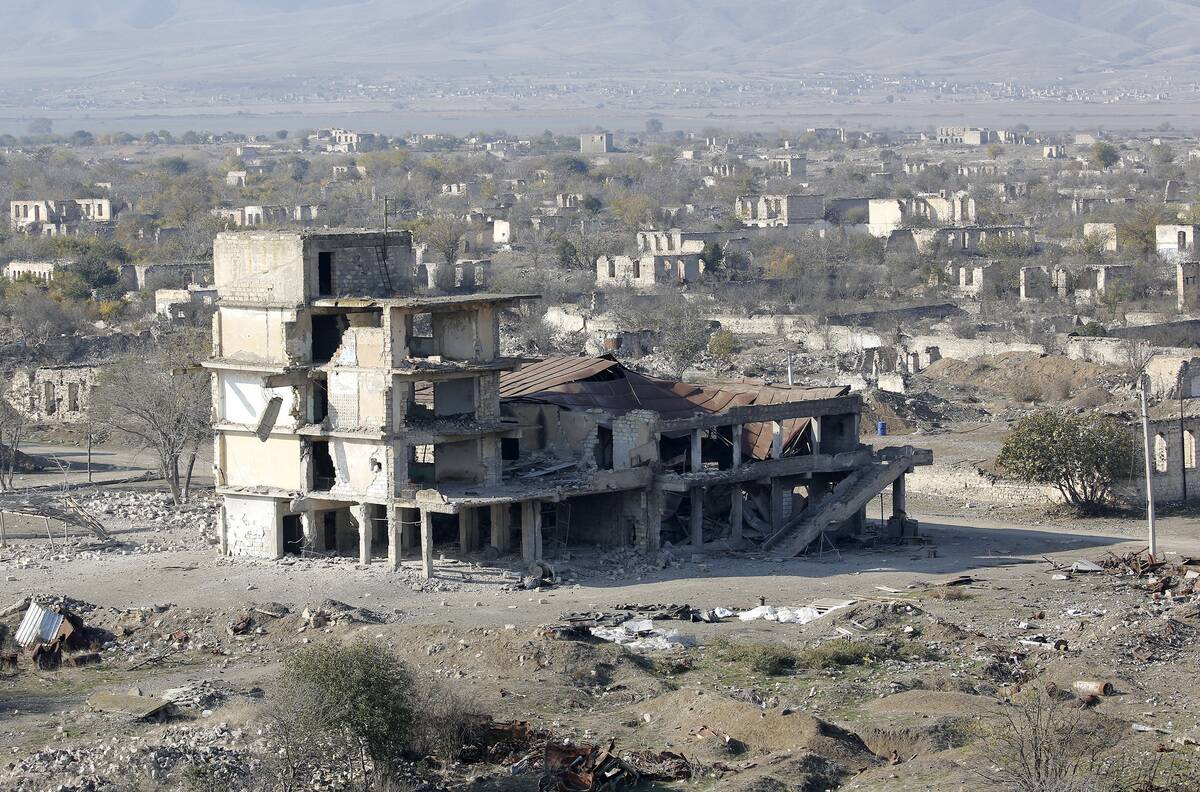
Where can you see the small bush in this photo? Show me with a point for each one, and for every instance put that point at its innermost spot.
(762, 658)
(721, 344)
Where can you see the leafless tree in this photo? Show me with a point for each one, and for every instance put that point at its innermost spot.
(12, 430)
(1042, 746)
(1135, 356)
(159, 402)
(444, 233)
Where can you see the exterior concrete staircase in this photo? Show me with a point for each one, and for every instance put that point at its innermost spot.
(849, 497)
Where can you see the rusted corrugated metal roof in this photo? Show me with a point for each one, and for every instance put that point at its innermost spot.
(39, 625)
(582, 383)
(542, 375)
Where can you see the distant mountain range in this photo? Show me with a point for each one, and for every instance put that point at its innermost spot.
(211, 40)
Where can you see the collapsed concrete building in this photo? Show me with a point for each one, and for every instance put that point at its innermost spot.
(356, 415)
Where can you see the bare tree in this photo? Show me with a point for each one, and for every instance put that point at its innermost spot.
(12, 430)
(683, 334)
(444, 233)
(1135, 356)
(1041, 746)
(161, 404)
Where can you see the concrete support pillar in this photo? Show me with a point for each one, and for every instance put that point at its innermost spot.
(697, 517)
(395, 534)
(500, 532)
(697, 454)
(410, 524)
(899, 498)
(314, 531)
(776, 504)
(735, 498)
(468, 530)
(815, 423)
(426, 544)
(531, 530)
(735, 514)
(776, 440)
(361, 512)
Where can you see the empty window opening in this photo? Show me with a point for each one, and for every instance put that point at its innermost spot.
(324, 471)
(51, 402)
(420, 335)
(327, 332)
(293, 535)
(510, 449)
(421, 465)
(454, 398)
(1189, 448)
(325, 274)
(1160, 454)
(73, 397)
(320, 401)
(329, 526)
(1181, 240)
(604, 448)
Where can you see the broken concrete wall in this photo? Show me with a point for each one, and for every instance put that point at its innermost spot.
(252, 526)
(260, 335)
(361, 470)
(243, 399)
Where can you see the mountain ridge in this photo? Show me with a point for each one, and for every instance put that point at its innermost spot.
(235, 39)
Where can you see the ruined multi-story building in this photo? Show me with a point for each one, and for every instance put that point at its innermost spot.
(885, 215)
(596, 143)
(356, 413)
(61, 217)
(779, 211)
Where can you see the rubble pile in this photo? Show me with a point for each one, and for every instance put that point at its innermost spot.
(146, 510)
(105, 763)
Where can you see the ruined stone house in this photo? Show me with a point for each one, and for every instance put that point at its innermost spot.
(41, 271)
(1187, 285)
(60, 217)
(52, 394)
(779, 211)
(357, 414)
(1176, 242)
(885, 215)
(596, 143)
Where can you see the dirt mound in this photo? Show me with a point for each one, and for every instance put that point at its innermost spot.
(678, 716)
(1025, 376)
(905, 414)
(931, 703)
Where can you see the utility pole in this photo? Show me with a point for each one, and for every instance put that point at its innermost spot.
(1144, 382)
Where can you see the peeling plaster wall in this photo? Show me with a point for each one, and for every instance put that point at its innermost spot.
(249, 462)
(455, 335)
(267, 335)
(253, 526)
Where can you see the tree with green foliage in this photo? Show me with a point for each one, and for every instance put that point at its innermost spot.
(1082, 456)
(1105, 155)
(346, 705)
